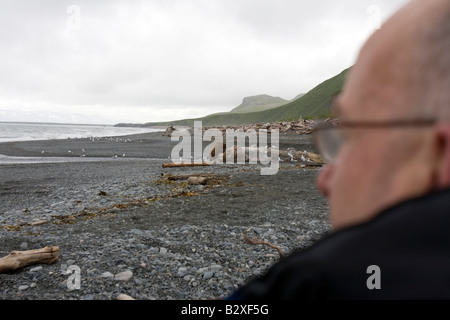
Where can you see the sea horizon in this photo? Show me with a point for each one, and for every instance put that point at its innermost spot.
(59, 123)
(13, 131)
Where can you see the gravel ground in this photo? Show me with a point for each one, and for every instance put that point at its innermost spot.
(124, 227)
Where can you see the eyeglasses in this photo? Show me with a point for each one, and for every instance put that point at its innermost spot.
(330, 136)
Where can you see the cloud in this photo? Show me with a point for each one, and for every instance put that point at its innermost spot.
(139, 61)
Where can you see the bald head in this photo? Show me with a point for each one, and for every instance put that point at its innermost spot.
(404, 64)
(434, 66)
(402, 73)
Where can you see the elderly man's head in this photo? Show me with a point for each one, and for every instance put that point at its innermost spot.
(402, 74)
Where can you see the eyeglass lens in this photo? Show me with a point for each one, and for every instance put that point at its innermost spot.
(329, 143)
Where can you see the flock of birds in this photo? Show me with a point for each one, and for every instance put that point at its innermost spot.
(290, 151)
(94, 139)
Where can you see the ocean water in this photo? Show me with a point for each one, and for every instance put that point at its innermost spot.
(23, 131)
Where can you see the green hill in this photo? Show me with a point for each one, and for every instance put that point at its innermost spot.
(259, 103)
(312, 105)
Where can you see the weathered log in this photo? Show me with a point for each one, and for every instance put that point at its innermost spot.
(183, 176)
(19, 259)
(38, 223)
(178, 177)
(176, 165)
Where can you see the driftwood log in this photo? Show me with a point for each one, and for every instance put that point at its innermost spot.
(38, 223)
(19, 259)
(177, 165)
(184, 176)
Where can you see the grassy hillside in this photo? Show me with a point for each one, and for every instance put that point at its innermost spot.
(259, 103)
(314, 104)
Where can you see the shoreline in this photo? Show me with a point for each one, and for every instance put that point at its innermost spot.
(144, 145)
(151, 145)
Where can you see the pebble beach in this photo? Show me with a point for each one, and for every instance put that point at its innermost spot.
(125, 225)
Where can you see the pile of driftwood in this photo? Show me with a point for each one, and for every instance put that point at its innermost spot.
(300, 126)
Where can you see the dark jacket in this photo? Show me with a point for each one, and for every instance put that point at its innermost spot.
(404, 250)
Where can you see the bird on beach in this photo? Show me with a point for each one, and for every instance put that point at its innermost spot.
(291, 154)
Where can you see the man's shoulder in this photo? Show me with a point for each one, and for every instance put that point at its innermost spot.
(405, 246)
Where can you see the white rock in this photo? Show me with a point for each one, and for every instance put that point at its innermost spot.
(106, 274)
(196, 180)
(38, 268)
(124, 276)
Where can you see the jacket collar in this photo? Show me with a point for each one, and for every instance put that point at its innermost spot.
(433, 205)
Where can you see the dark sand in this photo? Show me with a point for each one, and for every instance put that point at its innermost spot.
(148, 145)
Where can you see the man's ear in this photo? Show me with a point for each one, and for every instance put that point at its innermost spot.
(443, 156)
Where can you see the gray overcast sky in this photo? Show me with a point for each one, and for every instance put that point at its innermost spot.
(110, 61)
